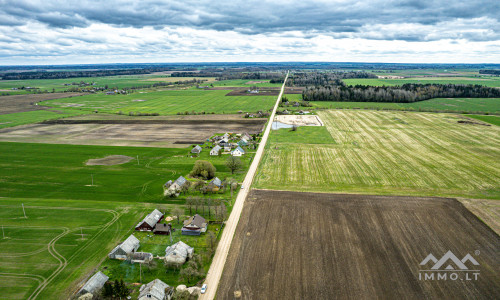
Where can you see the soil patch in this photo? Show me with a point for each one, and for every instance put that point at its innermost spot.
(300, 120)
(109, 160)
(335, 246)
(21, 103)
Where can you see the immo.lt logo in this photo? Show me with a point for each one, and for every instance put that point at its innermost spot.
(449, 267)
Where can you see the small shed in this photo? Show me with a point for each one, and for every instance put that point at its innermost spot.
(243, 142)
(141, 257)
(196, 150)
(215, 150)
(168, 184)
(238, 151)
(163, 229)
(246, 136)
(149, 222)
(195, 225)
(129, 246)
(179, 183)
(215, 184)
(155, 290)
(94, 284)
(178, 253)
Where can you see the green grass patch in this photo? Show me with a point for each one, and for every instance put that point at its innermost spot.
(495, 120)
(167, 102)
(15, 119)
(303, 135)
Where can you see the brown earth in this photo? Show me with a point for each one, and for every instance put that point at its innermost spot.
(291, 245)
(26, 102)
(110, 160)
(128, 132)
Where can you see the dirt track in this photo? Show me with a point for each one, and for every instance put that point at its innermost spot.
(22, 103)
(292, 245)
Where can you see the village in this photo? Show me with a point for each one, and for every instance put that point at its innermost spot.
(168, 244)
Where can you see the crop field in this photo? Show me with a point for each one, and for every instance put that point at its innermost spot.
(495, 120)
(486, 81)
(325, 246)
(245, 83)
(59, 172)
(114, 130)
(168, 102)
(48, 253)
(399, 153)
(21, 118)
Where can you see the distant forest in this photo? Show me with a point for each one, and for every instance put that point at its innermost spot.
(401, 94)
(325, 78)
(489, 72)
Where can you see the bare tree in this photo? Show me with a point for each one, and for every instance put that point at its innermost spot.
(177, 211)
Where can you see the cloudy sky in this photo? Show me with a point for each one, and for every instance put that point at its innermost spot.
(111, 31)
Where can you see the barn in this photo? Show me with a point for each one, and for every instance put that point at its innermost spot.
(94, 284)
(155, 290)
(129, 246)
(164, 229)
(149, 222)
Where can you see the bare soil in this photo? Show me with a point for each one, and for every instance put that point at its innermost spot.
(21, 103)
(109, 160)
(300, 120)
(291, 245)
(173, 132)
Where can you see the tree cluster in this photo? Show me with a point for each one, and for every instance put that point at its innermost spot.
(203, 169)
(400, 94)
(116, 290)
(325, 78)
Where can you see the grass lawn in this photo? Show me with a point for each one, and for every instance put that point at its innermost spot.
(398, 153)
(486, 81)
(303, 135)
(495, 120)
(59, 171)
(44, 254)
(28, 117)
(168, 102)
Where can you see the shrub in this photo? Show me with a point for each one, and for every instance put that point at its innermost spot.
(204, 169)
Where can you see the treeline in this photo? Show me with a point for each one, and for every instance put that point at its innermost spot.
(70, 74)
(489, 72)
(325, 78)
(400, 94)
(232, 74)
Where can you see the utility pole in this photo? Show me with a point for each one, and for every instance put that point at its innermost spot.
(137, 159)
(3, 232)
(92, 177)
(81, 232)
(140, 272)
(24, 211)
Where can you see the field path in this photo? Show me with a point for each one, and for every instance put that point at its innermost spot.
(217, 266)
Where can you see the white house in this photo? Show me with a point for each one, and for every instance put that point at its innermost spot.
(238, 152)
(215, 150)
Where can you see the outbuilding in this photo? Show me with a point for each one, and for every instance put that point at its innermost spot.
(215, 150)
(94, 284)
(155, 290)
(196, 150)
(178, 253)
(129, 246)
(149, 222)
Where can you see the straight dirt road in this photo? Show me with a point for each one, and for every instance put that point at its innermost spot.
(217, 266)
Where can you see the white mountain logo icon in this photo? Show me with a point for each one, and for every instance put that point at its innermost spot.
(447, 257)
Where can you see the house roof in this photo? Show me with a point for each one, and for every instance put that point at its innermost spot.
(180, 248)
(180, 181)
(196, 149)
(196, 220)
(216, 181)
(129, 244)
(155, 288)
(216, 148)
(162, 228)
(168, 182)
(239, 149)
(152, 218)
(94, 283)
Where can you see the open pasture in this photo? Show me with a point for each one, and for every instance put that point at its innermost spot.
(483, 80)
(168, 102)
(389, 153)
(47, 254)
(59, 172)
(326, 246)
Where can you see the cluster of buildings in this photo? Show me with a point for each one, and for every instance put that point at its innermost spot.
(224, 143)
(213, 185)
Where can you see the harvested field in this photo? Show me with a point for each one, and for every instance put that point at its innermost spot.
(127, 132)
(389, 153)
(324, 246)
(110, 160)
(26, 102)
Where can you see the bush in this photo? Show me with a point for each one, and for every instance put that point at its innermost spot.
(204, 169)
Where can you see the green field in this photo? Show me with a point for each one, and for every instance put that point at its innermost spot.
(167, 102)
(495, 120)
(44, 256)
(246, 83)
(485, 80)
(460, 105)
(303, 135)
(15, 119)
(399, 153)
(59, 172)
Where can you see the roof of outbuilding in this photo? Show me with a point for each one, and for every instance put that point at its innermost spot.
(129, 244)
(94, 283)
(196, 220)
(179, 248)
(216, 181)
(196, 149)
(152, 218)
(155, 288)
(181, 180)
(216, 148)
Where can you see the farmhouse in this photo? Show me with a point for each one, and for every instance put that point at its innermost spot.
(149, 222)
(155, 290)
(178, 184)
(243, 142)
(238, 152)
(129, 246)
(94, 284)
(195, 225)
(215, 150)
(178, 253)
(196, 150)
(164, 229)
(214, 185)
